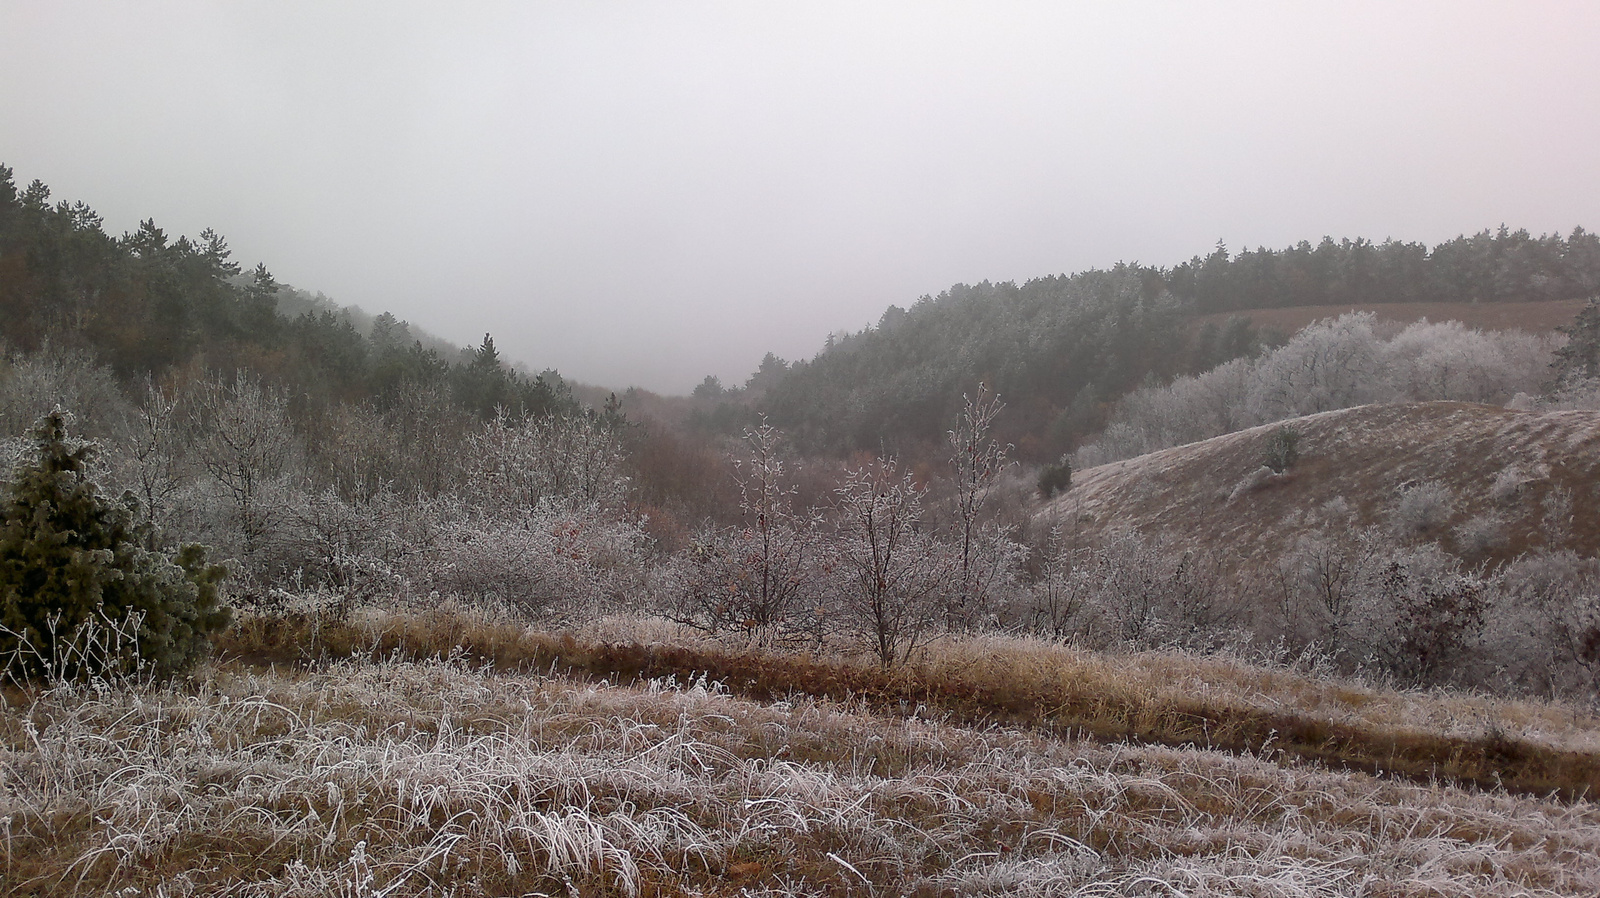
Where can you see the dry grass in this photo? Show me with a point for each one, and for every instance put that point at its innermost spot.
(395, 777)
(1155, 697)
(1365, 456)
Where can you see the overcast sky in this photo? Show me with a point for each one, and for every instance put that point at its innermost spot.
(644, 193)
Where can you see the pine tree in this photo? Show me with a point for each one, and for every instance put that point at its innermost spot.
(1580, 358)
(72, 561)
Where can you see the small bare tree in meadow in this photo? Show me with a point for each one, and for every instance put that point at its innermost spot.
(778, 540)
(1061, 594)
(976, 462)
(1320, 581)
(895, 575)
(752, 577)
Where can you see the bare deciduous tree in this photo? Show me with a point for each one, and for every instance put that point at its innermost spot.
(158, 452)
(574, 458)
(895, 574)
(976, 461)
(752, 577)
(249, 447)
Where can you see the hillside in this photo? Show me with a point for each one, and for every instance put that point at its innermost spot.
(1517, 468)
(1063, 348)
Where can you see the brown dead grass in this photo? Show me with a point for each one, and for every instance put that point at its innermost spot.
(1364, 455)
(367, 777)
(1150, 698)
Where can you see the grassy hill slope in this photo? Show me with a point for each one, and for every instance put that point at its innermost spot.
(1500, 464)
(373, 774)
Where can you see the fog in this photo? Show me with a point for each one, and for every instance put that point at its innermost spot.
(648, 193)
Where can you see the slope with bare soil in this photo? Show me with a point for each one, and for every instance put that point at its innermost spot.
(1513, 466)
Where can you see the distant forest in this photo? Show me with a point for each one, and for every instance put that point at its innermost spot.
(1062, 348)
(148, 305)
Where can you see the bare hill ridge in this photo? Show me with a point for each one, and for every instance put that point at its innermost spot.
(1508, 471)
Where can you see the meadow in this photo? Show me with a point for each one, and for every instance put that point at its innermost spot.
(450, 753)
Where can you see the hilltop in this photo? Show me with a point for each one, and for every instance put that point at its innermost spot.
(1510, 471)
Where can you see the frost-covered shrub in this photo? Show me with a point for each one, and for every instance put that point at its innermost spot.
(1422, 509)
(1577, 394)
(549, 563)
(1508, 484)
(1420, 618)
(1481, 533)
(1545, 630)
(1135, 592)
(355, 551)
(573, 458)
(1558, 516)
(32, 385)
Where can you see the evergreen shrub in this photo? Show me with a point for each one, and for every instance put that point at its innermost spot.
(76, 567)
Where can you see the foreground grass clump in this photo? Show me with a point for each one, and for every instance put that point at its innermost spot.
(440, 777)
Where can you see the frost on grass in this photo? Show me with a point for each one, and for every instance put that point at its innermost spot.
(436, 779)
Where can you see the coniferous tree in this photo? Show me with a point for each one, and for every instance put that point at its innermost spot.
(1580, 358)
(72, 561)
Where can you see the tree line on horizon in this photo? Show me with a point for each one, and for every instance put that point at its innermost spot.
(1064, 348)
(150, 306)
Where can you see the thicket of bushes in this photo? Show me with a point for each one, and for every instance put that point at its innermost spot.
(536, 517)
(340, 469)
(1335, 363)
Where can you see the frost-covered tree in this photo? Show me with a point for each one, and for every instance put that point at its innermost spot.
(752, 578)
(1330, 364)
(82, 590)
(976, 462)
(250, 449)
(895, 575)
(157, 454)
(1060, 594)
(1319, 581)
(575, 458)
